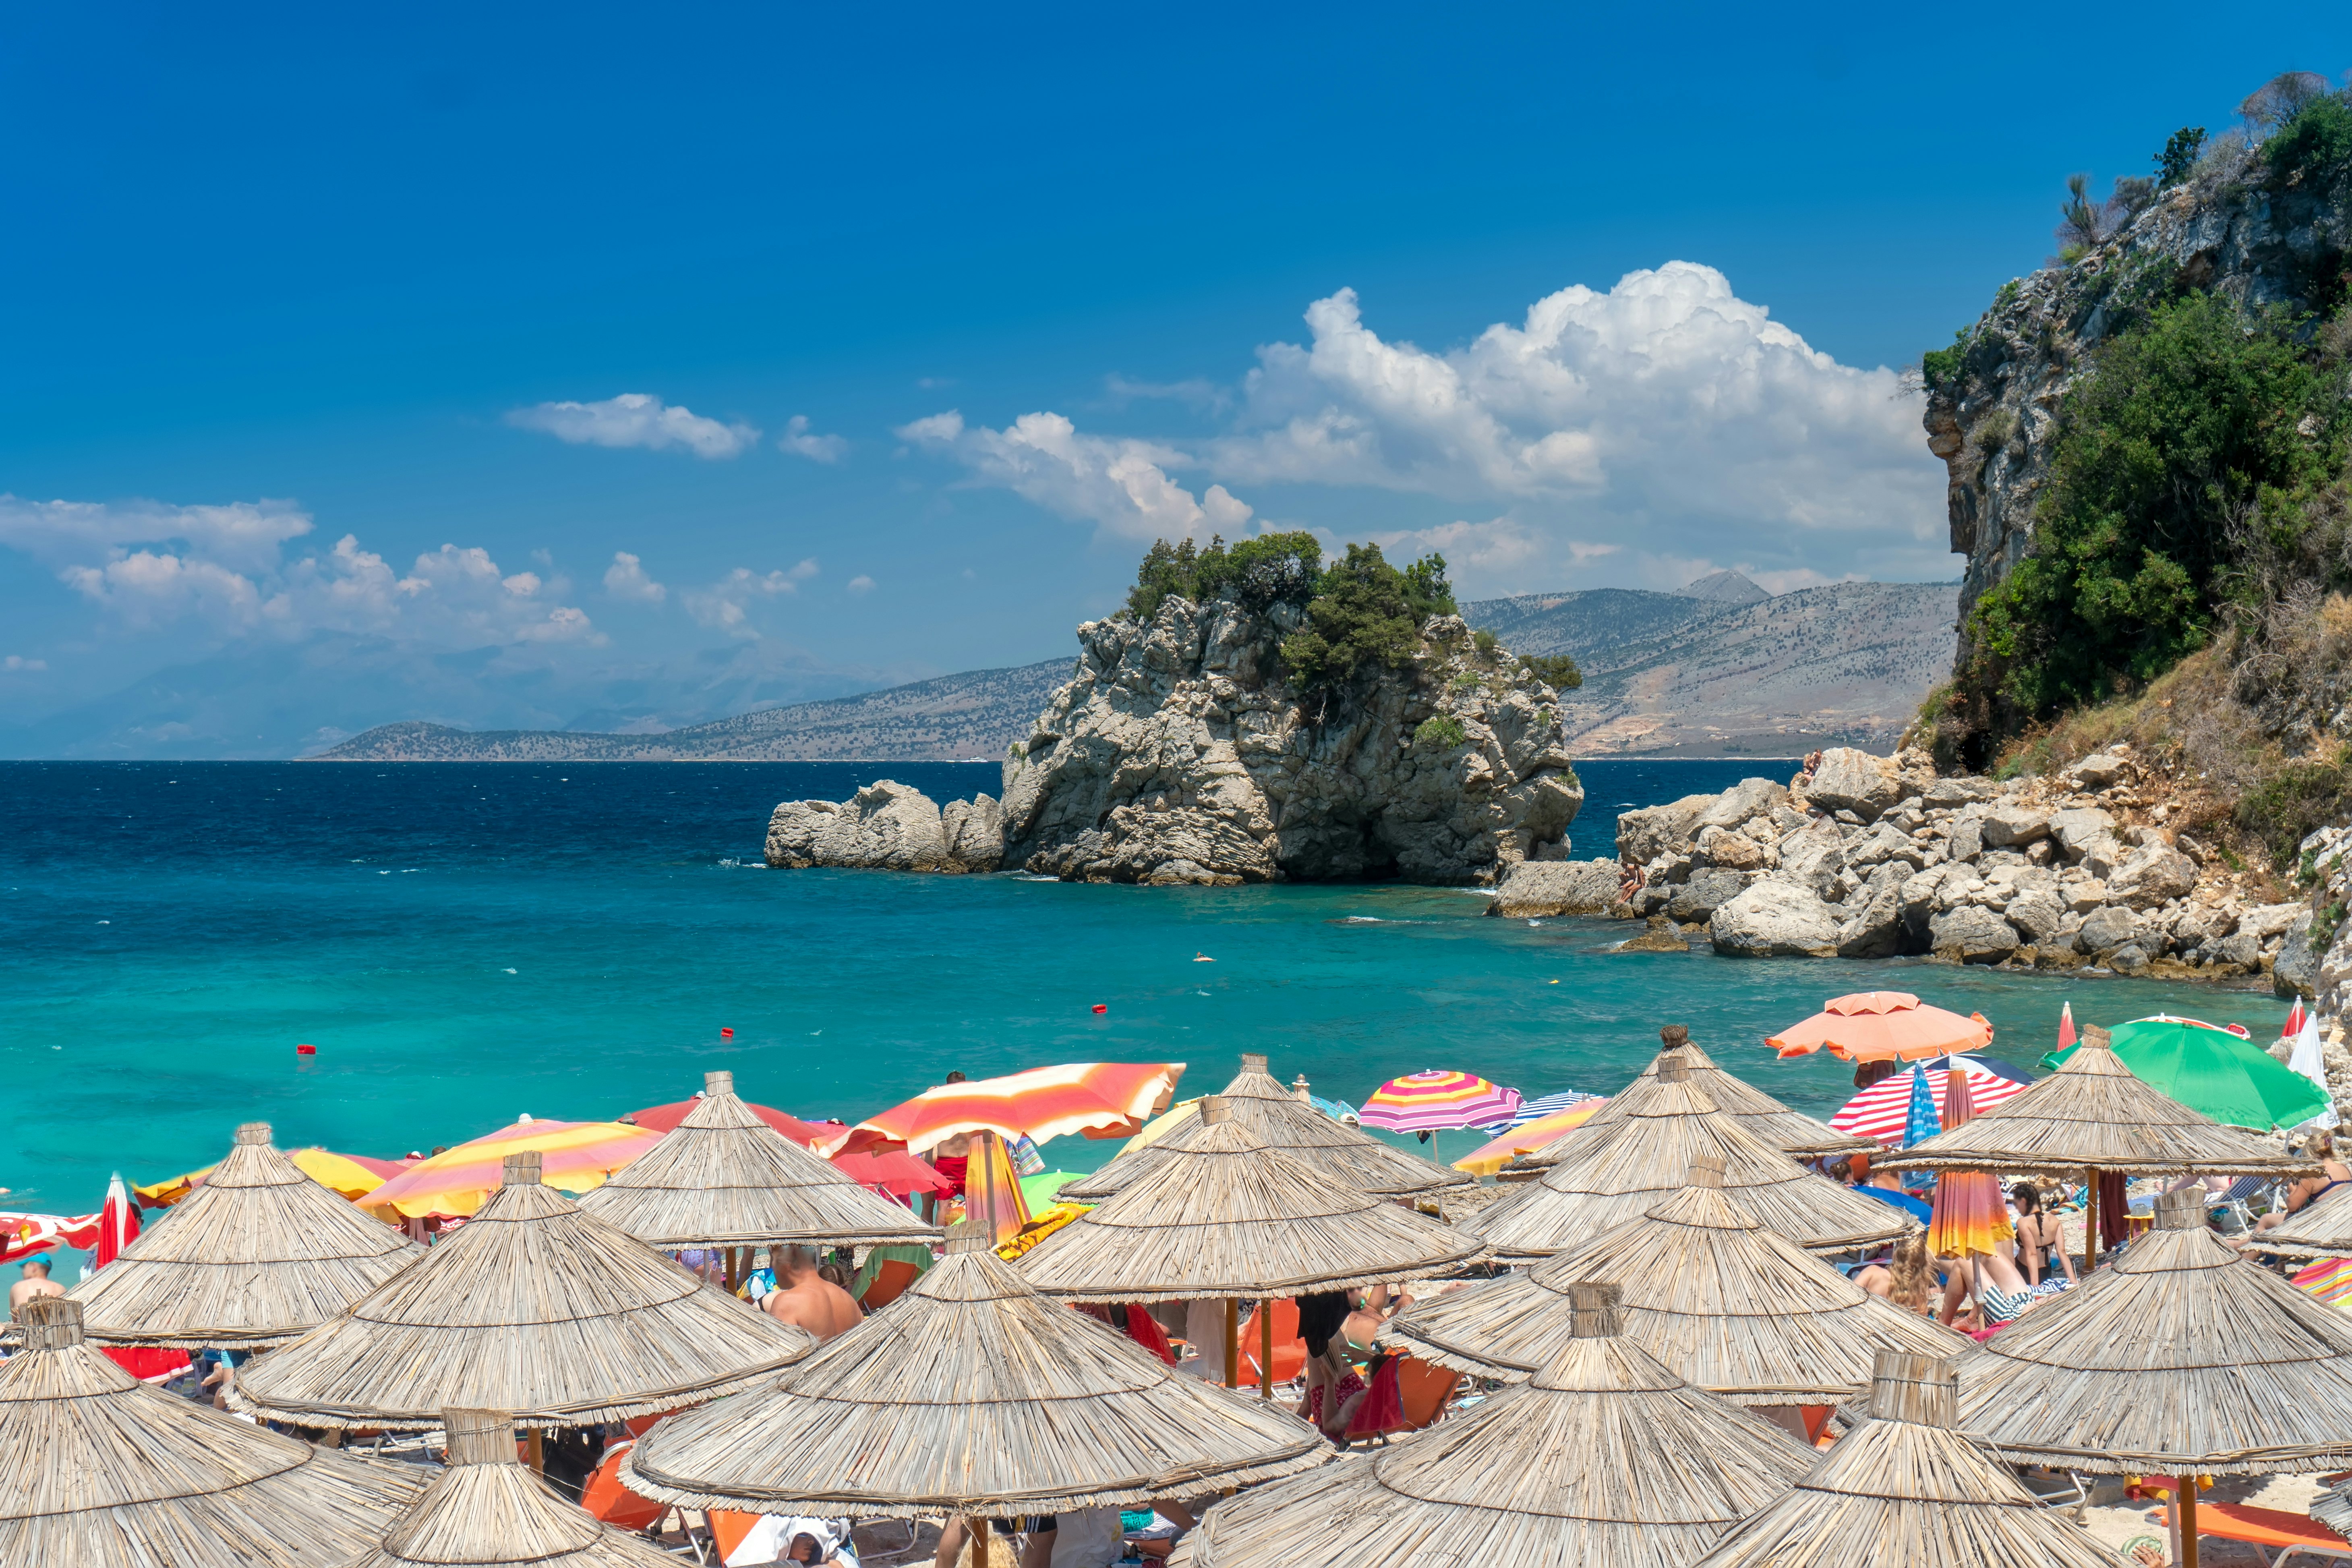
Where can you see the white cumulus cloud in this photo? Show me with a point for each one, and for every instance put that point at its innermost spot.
(1121, 484)
(636, 419)
(625, 579)
(800, 439)
(727, 603)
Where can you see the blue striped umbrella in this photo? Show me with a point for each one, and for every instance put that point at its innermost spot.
(1537, 1109)
(1923, 1121)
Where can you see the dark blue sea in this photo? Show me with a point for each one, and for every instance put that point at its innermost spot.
(465, 943)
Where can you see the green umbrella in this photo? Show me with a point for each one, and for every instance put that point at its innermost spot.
(2211, 1070)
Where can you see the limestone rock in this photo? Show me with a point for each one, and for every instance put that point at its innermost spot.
(1707, 890)
(1971, 935)
(1849, 780)
(1812, 859)
(1960, 791)
(2077, 828)
(1644, 836)
(1876, 930)
(2107, 928)
(1661, 937)
(973, 832)
(1733, 851)
(1773, 920)
(2038, 916)
(1540, 888)
(1746, 799)
(2095, 771)
(2012, 827)
(2152, 873)
(885, 826)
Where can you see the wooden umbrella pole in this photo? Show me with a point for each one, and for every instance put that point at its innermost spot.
(537, 1441)
(979, 1530)
(2187, 1494)
(1233, 1342)
(2090, 1221)
(1266, 1348)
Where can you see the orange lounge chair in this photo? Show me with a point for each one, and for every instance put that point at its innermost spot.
(2275, 1535)
(890, 1282)
(606, 1499)
(1290, 1350)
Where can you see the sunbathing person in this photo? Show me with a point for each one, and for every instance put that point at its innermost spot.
(805, 1298)
(1907, 1278)
(2040, 1239)
(35, 1283)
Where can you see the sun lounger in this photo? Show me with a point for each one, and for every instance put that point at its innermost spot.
(2277, 1537)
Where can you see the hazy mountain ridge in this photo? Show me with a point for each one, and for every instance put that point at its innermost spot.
(975, 713)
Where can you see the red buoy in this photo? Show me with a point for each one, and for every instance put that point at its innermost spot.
(1100, 1008)
(306, 1050)
(726, 1034)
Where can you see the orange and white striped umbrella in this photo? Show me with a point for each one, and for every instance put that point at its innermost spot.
(1100, 1099)
(575, 1156)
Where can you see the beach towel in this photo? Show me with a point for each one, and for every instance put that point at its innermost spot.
(1145, 1331)
(1383, 1406)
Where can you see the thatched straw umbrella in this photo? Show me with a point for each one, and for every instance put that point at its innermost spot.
(1279, 1120)
(1604, 1460)
(530, 1307)
(1641, 1157)
(723, 1177)
(1771, 1124)
(1226, 1218)
(971, 1393)
(2182, 1357)
(2323, 1229)
(1738, 1310)
(102, 1471)
(255, 1256)
(2093, 1116)
(1903, 1489)
(487, 1509)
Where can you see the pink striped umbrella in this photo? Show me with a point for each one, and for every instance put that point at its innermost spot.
(1433, 1102)
(1881, 1110)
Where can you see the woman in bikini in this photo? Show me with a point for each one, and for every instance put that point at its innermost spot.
(2040, 1239)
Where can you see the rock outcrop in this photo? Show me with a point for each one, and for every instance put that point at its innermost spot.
(1180, 754)
(887, 826)
(1535, 888)
(1864, 856)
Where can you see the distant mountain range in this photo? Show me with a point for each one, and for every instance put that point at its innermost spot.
(1722, 668)
(975, 714)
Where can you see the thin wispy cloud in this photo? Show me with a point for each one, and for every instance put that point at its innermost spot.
(800, 441)
(625, 579)
(636, 419)
(726, 604)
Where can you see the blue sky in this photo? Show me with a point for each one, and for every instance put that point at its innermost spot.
(929, 319)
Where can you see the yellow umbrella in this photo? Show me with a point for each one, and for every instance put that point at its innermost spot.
(1489, 1158)
(575, 1156)
(350, 1174)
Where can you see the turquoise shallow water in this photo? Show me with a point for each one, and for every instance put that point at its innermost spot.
(467, 943)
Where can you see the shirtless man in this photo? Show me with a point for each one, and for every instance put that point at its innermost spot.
(36, 1282)
(806, 1298)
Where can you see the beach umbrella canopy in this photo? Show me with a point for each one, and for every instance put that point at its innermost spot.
(1972, 1214)
(1883, 1026)
(351, 1175)
(2214, 1071)
(1772, 1124)
(1903, 1489)
(118, 1222)
(723, 1177)
(819, 1135)
(2093, 1114)
(2321, 1229)
(1280, 1119)
(577, 1156)
(2329, 1281)
(1603, 1459)
(1641, 1159)
(971, 1393)
(1226, 1217)
(1527, 1137)
(1099, 1099)
(487, 1509)
(1881, 1112)
(255, 1256)
(891, 1171)
(104, 1470)
(1707, 1290)
(2182, 1357)
(1435, 1100)
(530, 1307)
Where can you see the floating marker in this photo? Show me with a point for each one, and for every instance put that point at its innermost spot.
(726, 1034)
(306, 1050)
(1100, 1008)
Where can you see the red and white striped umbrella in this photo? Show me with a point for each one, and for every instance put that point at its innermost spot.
(1882, 1111)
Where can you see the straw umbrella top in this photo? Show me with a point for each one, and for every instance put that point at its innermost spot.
(1279, 1120)
(488, 1511)
(1227, 1216)
(103, 1469)
(1771, 1123)
(532, 1307)
(2322, 1229)
(723, 1177)
(2183, 1356)
(255, 1256)
(1738, 1310)
(1604, 1459)
(1903, 1489)
(2093, 1114)
(1641, 1159)
(971, 1393)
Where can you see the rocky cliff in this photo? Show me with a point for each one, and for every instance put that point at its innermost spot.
(1181, 754)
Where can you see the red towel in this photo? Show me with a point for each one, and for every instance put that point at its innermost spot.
(1144, 1330)
(1383, 1406)
(2114, 1209)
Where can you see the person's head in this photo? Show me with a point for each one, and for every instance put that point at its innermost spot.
(957, 1076)
(1842, 1170)
(2320, 1146)
(793, 1262)
(36, 1268)
(2026, 1197)
(805, 1548)
(1909, 1265)
(1674, 1036)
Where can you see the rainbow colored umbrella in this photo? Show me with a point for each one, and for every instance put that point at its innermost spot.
(2215, 1070)
(574, 1156)
(1972, 1214)
(1099, 1099)
(1435, 1100)
(2329, 1281)
(1883, 1026)
(1527, 1137)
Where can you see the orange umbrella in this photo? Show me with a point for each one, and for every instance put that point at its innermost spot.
(1101, 1100)
(353, 1175)
(1970, 1213)
(576, 1156)
(1883, 1026)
